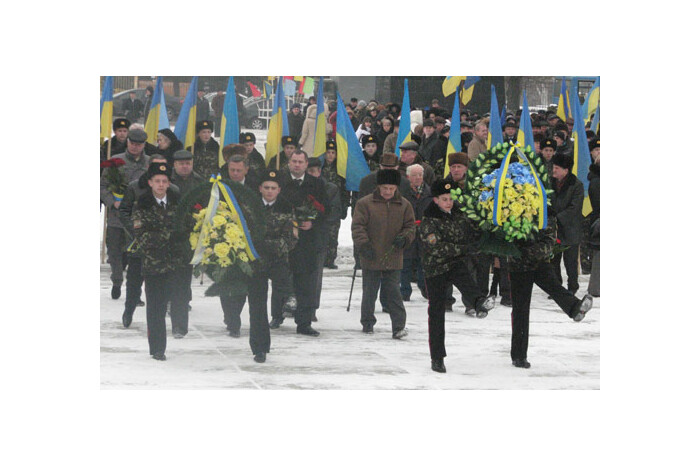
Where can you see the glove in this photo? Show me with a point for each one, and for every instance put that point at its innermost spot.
(399, 242)
(367, 251)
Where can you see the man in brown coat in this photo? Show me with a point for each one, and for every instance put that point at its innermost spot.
(478, 142)
(382, 226)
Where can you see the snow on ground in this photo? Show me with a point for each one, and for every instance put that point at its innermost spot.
(564, 354)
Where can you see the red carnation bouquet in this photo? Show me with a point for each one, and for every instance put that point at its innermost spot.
(309, 210)
(115, 178)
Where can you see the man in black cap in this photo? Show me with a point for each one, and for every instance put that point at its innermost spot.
(206, 150)
(289, 145)
(203, 108)
(430, 137)
(135, 164)
(303, 190)
(121, 130)
(295, 120)
(548, 147)
(256, 161)
(410, 156)
(510, 133)
(448, 238)
(165, 253)
(382, 226)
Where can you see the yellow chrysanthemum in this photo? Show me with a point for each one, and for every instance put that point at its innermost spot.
(516, 209)
(510, 194)
(208, 252)
(225, 262)
(508, 183)
(194, 238)
(233, 230)
(218, 221)
(243, 256)
(221, 249)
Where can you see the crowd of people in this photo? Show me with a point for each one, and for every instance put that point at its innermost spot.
(406, 228)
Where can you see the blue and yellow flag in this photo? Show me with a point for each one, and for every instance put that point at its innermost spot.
(454, 143)
(186, 126)
(320, 130)
(525, 136)
(495, 130)
(278, 126)
(405, 124)
(267, 89)
(351, 165)
(564, 105)
(595, 123)
(157, 114)
(582, 156)
(592, 100)
(107, 108)
(468, 88)
(230, 130)
(451, 84)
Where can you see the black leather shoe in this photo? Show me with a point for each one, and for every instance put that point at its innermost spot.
(116, 291)
(276, 322)
(367, 329)
(308, 331)
(140, 303)
(259, 357)
(234, 333)
(582, 307)
(127, 317)
(438, 365)
(159, 356)
(506, 301)
(521, 363)
(448, 307)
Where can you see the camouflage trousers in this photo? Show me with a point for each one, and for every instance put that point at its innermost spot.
(332, 249)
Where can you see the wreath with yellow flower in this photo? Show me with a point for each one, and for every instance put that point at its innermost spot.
(521, 202)
(221, 247)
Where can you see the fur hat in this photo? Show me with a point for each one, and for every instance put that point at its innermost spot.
(565, 162)
(389, 159)
(388, 177)
(247, 138)
(595, 143)
(458, 158)
(548, 143)
(158, 168)
(442, 187)
(368, 139)
(270, 175)
(120, 123)
(204, 125)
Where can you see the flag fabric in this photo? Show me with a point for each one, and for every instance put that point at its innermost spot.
(107, 108)
(595, 123)
(267, 89)
(351, 164)
(564, 105)
(320, 130)
(301, 85)
(495, 130)
(229, 132)
(405, 123)
(185, 128)
(157, 114)
(309, 85)
(290, 87)
(525, 136)
(254, 90)
(592, 100)
(468, 88)
(454, 143)
(503, 116)
(278, 126)
(582, 155)
(451, 84)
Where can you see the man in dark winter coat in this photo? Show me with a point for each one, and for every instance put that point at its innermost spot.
(428, 141)
(184, 176)
(308, 197)
(165, 254)
(420, 197)
(382, 226)
(295, 119)
(289, 145)
(203, 108)
(256, 161)
(410, 156)
(132, 107)
(206, 150)
(567, 205)
(121, 130)
(369, 182)
(448, 237)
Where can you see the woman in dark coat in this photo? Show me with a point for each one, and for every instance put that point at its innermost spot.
(168, 144)
(594, 196)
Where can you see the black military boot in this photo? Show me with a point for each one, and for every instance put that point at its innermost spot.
(116, 291)
(438, 364)
(521, 363)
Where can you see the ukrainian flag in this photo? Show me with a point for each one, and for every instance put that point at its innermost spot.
(107, 108)
(495, 130)
(592, 100)
(405, 125)
(230, 130)
(454, 144)
(582, 156)
(278, 126)
(468, 88)
(451, 84)
(595, 123)
(351, 165)
(157, 114)
(525, 136)
(185, 128)
(564, 105)
(320, 130)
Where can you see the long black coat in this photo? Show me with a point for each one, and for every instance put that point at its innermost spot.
(567, 205)
(419, 203)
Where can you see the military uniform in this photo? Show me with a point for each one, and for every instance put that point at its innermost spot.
(206, 155)
(165, 255)
(256, 161)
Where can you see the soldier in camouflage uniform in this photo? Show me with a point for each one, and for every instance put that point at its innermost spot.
(534, 267)
(206, 151)
(256, 161)
(289, 145)
(165, 254)
(448, 238)
(330, 174)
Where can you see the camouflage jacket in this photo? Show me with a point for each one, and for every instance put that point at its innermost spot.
(330, 173)
(279, 237)
(206, 158)
(536, 252)
(446, 239)
(187, 184)
(256, 163)
(160, 247)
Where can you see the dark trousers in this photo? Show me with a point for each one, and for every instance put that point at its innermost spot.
(570, 256)
(407, 272)
(115, 248)
(134, 281)
(320, 261)
(500, 283)
(279, 275)
(232, 306)
(332, 248)
(521, 293)
(389, 282)
(305, 291)
(437, 287)
(257, 305)
(161, 288)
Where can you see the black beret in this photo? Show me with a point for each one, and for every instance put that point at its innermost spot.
(247, 138)
(548, 143)
(442, 187)
(330, 145)
(204, 125)
(158, 168)
(388, 177)
(286, 140)
(565, 162)
(120, 123)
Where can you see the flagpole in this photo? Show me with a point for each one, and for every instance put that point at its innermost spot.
(277, 163)
(104, 226)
